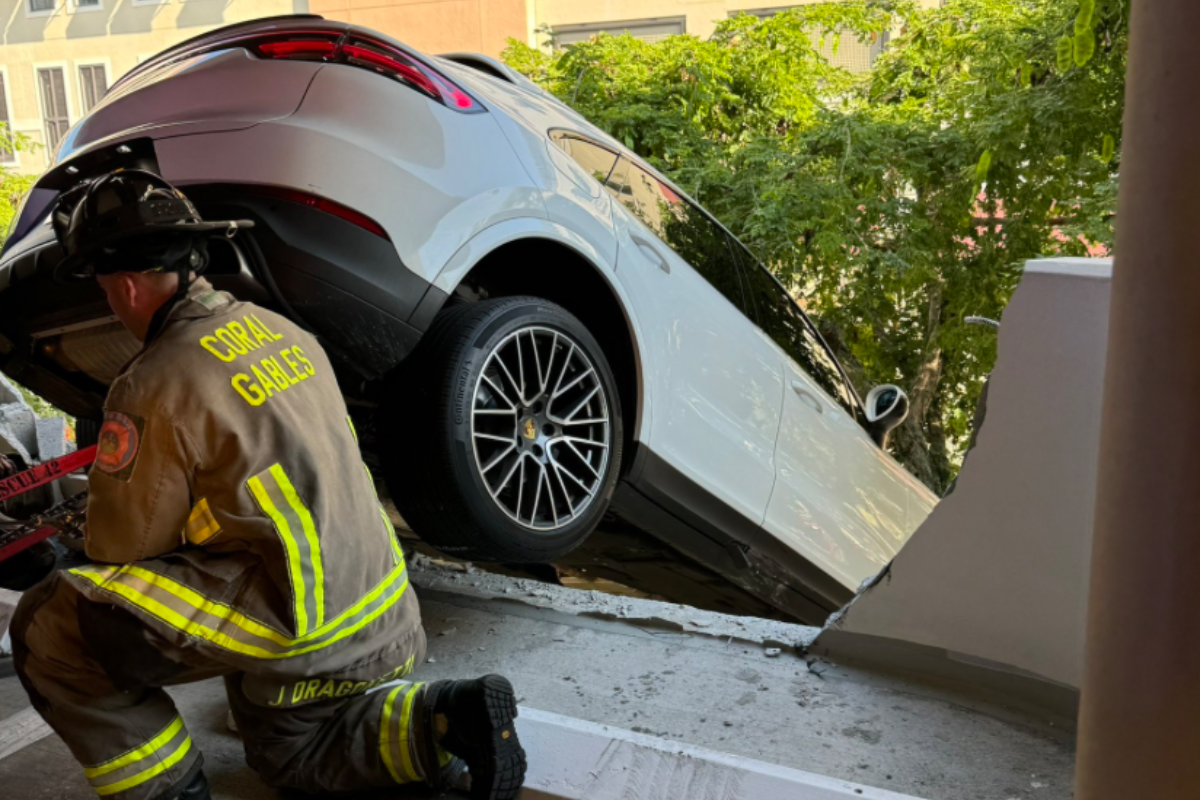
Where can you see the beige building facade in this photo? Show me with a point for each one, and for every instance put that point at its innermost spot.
(57, 57)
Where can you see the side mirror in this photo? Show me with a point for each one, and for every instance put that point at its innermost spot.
(886, 408)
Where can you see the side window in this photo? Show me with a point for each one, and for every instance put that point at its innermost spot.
(785, 323)
(682, 226)
(595, 159)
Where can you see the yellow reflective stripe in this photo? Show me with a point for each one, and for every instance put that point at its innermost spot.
(353, 432)
(385, 734)
(202, 525)
(405, 719)
(108, 579)
(174, 618)
(397, 551)
(289, 545)
(356, 627)
(147, 774)
(310, 533)
(167, 734)
(202, 603)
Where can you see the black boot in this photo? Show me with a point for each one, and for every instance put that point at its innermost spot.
(480, 714)
(196, 790)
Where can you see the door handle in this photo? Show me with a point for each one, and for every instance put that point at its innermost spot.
(651, 252)
(808, 398)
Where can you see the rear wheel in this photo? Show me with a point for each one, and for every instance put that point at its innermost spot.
(505, 441)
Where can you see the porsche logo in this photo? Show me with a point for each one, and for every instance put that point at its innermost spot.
(529, 429)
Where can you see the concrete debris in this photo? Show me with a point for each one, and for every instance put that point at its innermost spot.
(772, 652)
(651, 615)
(51, 436)
(23, 435)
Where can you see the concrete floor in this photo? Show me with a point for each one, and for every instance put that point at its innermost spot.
(670, 672)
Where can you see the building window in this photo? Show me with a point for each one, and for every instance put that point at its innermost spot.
(851, 54)
(648, 30)
(53, 87)
(93, 83)
(6, 155)
(42, 6)
(87, 5)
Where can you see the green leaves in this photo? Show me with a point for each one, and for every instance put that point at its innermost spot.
(863, 191)
(983, 166)
(1064, 53)
(1084, 47)
(1083, 20)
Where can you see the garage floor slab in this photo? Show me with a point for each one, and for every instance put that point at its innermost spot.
(671, 675)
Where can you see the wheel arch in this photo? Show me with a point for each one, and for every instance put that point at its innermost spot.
(537, 260)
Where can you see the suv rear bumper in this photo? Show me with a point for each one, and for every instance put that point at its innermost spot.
(342, 282)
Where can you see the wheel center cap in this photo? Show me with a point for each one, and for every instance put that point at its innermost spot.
(529, 429)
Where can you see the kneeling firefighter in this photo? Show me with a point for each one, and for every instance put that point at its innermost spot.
(235, 531)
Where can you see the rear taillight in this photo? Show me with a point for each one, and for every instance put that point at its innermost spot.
(358, 51)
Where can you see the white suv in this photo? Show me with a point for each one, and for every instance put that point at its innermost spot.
(533, 327)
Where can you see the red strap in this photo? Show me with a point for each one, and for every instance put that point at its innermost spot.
(45, 473)
(27, 541)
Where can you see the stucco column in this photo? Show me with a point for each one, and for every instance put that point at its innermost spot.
(1139, 731)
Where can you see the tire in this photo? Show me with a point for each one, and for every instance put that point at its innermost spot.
(463, 449)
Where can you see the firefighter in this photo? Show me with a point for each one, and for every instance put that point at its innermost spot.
(234, 531)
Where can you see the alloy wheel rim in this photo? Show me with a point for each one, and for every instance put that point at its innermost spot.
(540, 428)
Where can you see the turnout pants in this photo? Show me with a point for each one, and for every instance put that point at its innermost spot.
(95, 673)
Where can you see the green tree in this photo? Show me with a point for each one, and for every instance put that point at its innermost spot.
(12, 186)
(896, 203)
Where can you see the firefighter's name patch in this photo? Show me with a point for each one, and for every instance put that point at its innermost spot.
(119, 444)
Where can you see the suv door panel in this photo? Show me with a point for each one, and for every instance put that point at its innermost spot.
(717, 386)
(838, 499)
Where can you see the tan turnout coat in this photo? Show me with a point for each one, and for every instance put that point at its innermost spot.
(231, 501)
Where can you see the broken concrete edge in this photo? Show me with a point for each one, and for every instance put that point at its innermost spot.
(571, 759)
(466, 580)
(988, 680)
(23, 432)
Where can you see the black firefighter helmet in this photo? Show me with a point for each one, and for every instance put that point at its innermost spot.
(132, 220)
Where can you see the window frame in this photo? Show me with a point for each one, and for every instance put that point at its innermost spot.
(68, 100)
(14, 158)
(104, 64)
(696, 212)
(30, 12)
(76, 8)
(558, 134)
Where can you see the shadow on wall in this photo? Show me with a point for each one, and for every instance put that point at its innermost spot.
(202, 13)
(91, 23)
(129, 18)
(20, 28)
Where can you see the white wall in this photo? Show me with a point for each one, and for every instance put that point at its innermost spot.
(999, 571)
